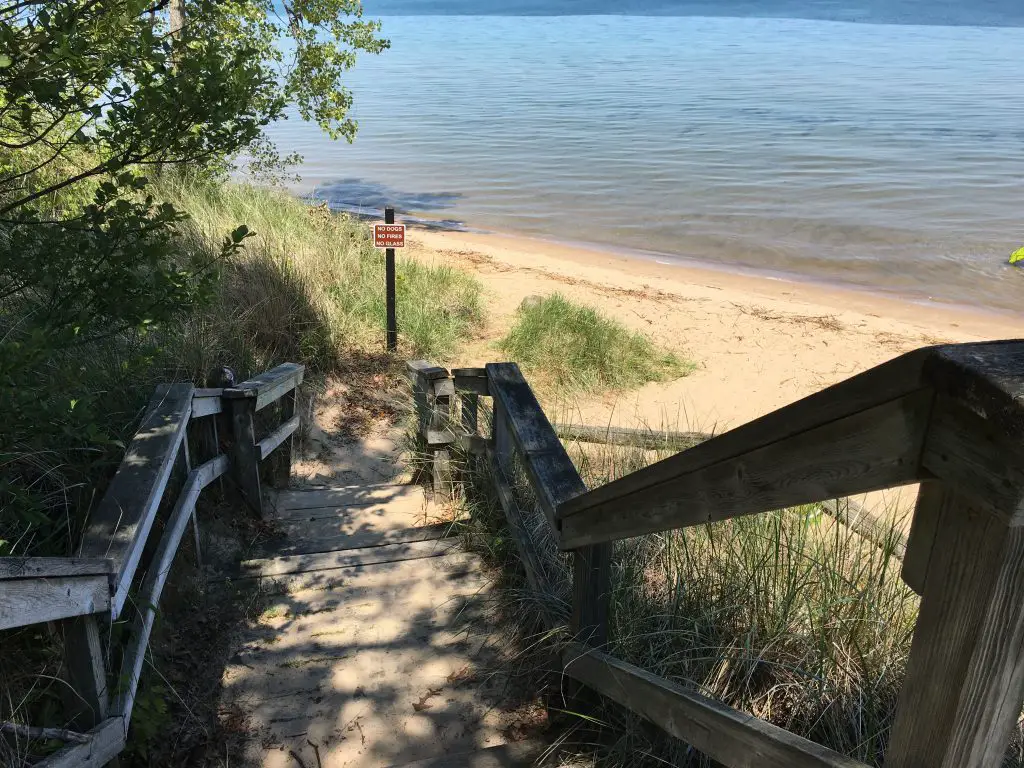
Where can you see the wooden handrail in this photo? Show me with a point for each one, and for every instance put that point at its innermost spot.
(50, 567)
(647, 439)
(104, 743)
(863, 434)
(268, 387)
(120, 525)
(153, 585)
(728, 736)
(207, 402)
(552, 474)
(951, 417)
(39, 589)
(871, 450)
(521, 427)
(78, 591)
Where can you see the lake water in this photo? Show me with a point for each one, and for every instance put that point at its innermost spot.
(888, 155)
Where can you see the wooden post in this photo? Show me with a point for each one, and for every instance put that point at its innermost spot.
(470, 384)
(389, 277)
(442, 391)
(469, 406)
(591, 594)
(591, 564)
(86, 700)
(281, 467)
(245, 464)
(502, 440)
(965, 676)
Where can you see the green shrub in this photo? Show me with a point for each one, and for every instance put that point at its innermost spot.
(576, 347)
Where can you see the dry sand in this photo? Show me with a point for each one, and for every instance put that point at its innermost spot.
(758, 342)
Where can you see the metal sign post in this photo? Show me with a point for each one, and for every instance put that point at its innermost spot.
(390, 236)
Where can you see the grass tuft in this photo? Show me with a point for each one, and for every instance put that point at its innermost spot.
(575, 347)
(310, 286)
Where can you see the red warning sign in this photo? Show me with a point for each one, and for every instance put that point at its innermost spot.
(389, 235)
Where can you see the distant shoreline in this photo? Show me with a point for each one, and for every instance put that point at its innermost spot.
(667, 261)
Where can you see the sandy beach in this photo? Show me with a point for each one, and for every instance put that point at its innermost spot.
(758, 342)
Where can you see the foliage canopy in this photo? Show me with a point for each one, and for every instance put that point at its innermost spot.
(98, 98)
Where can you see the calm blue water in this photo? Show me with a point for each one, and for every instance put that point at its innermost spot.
(883, 155)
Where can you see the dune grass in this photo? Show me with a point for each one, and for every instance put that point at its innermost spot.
(310, 286)
(571, 346)
(787, 615)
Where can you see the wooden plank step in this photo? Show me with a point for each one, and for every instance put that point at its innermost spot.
(347, 496)
(391, 582)
(326, 582)
(358, 720)
(324, 539)
(294, 659)
(414, 506)
(511, 755)
(327, 561)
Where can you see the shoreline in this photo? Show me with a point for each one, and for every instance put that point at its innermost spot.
(699, 265)
(536, 252)
(758, 344)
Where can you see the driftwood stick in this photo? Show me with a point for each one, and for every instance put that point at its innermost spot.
(650, 439)
(35, 732)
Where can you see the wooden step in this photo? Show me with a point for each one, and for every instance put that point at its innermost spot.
(380, 664)
(391, 582)
(341, 534)
(511, 755)
(327, 561)
(347, 496)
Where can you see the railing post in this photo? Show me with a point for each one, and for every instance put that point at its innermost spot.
(281, 459)
(442, 391)
(965, 676)
(470, 383)
(245, 464)
(502, 439)
(433, 389)
(469, 407)
(591, 594)
(87, 699)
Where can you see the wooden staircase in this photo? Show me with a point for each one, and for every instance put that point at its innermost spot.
(365, 653)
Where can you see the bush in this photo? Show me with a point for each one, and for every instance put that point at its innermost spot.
(576, 347)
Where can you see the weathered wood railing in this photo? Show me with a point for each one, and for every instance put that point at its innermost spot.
(949, 417)
(183, 425)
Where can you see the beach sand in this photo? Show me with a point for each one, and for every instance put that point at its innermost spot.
(758, 342)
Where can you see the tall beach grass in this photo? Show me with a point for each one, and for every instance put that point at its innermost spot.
(788, 615)
(310, 286)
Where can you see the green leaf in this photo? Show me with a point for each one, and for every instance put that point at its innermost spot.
(5, 61)
(1017, 257)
